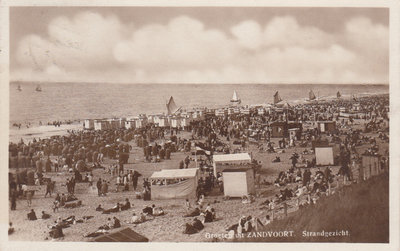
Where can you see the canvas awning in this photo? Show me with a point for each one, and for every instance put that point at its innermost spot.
(237, 157)
(175, 173)
(124, 235)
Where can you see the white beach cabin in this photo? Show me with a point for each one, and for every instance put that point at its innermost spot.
(174, 184)
(238, 182)
(227, 161)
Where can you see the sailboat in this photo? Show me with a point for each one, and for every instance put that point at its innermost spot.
(311, 96)
(338, 95)
(277, 98)
(235, 99)
(19, 88)
(38, 88)
(172, 108)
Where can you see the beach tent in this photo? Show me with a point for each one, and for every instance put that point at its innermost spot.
(370, 165)
(294, 133)
(324, 155)
(326, 126)
(238, 182)
(89, 124)
(123, 235)
(175, 121)
(279, 129)
(181, 190)
(101, 125)
(226, 161)
(130, 124)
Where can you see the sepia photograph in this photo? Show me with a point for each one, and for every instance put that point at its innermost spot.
(199, 124)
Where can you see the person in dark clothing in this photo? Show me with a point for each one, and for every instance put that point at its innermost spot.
(45, 215)
(13, 200)
(126, 206)
(32, 215)
(168, 153)
(99, 208)
(197, 224)
(98, 185)
(135, 178)
(116, 222)
(189, 229)
(48, 188)
(187, 162)
(195, 212)
(306, 177)
(73, 183)
(148, 210)
(208, 216)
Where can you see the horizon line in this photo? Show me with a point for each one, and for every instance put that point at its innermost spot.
(194, 83)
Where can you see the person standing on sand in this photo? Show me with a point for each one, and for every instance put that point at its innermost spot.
(99, 185)
(13, 200)
(29, 195)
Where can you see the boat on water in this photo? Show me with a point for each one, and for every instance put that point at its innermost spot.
(314, 98)
(235, 99)
(19, 88)
(38, 88)
(311, 96)
(277, 98)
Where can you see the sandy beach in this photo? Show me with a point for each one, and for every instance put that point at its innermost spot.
(163, 228)
(44, 131)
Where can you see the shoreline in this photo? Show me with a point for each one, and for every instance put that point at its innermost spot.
(46, 131)
(43, 131)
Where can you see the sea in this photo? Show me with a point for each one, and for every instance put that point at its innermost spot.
(78, 101)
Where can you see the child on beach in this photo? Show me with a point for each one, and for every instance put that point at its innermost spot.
(29, 195)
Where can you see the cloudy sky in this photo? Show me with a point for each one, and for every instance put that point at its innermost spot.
(199, 45)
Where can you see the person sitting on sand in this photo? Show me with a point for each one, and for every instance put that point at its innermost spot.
(126, 206)
(201, 200)
(56, 232)
(99, 208)
(267, 220)
(276, 160)
(114, 209)
(116, 222)
(248, 226)
(32, 215)
(240, 225)
(137, 219)
(208, 208)
(71, 197)
(189, 229)
(194, 212)
(147, 210)
(207, 216)
(157, 211)
(45, 215)
(107, 226)
(197, 224)
(10, 228)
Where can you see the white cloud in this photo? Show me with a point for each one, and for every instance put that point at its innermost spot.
(92, 47)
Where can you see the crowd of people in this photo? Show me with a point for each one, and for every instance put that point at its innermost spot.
(84, 151)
